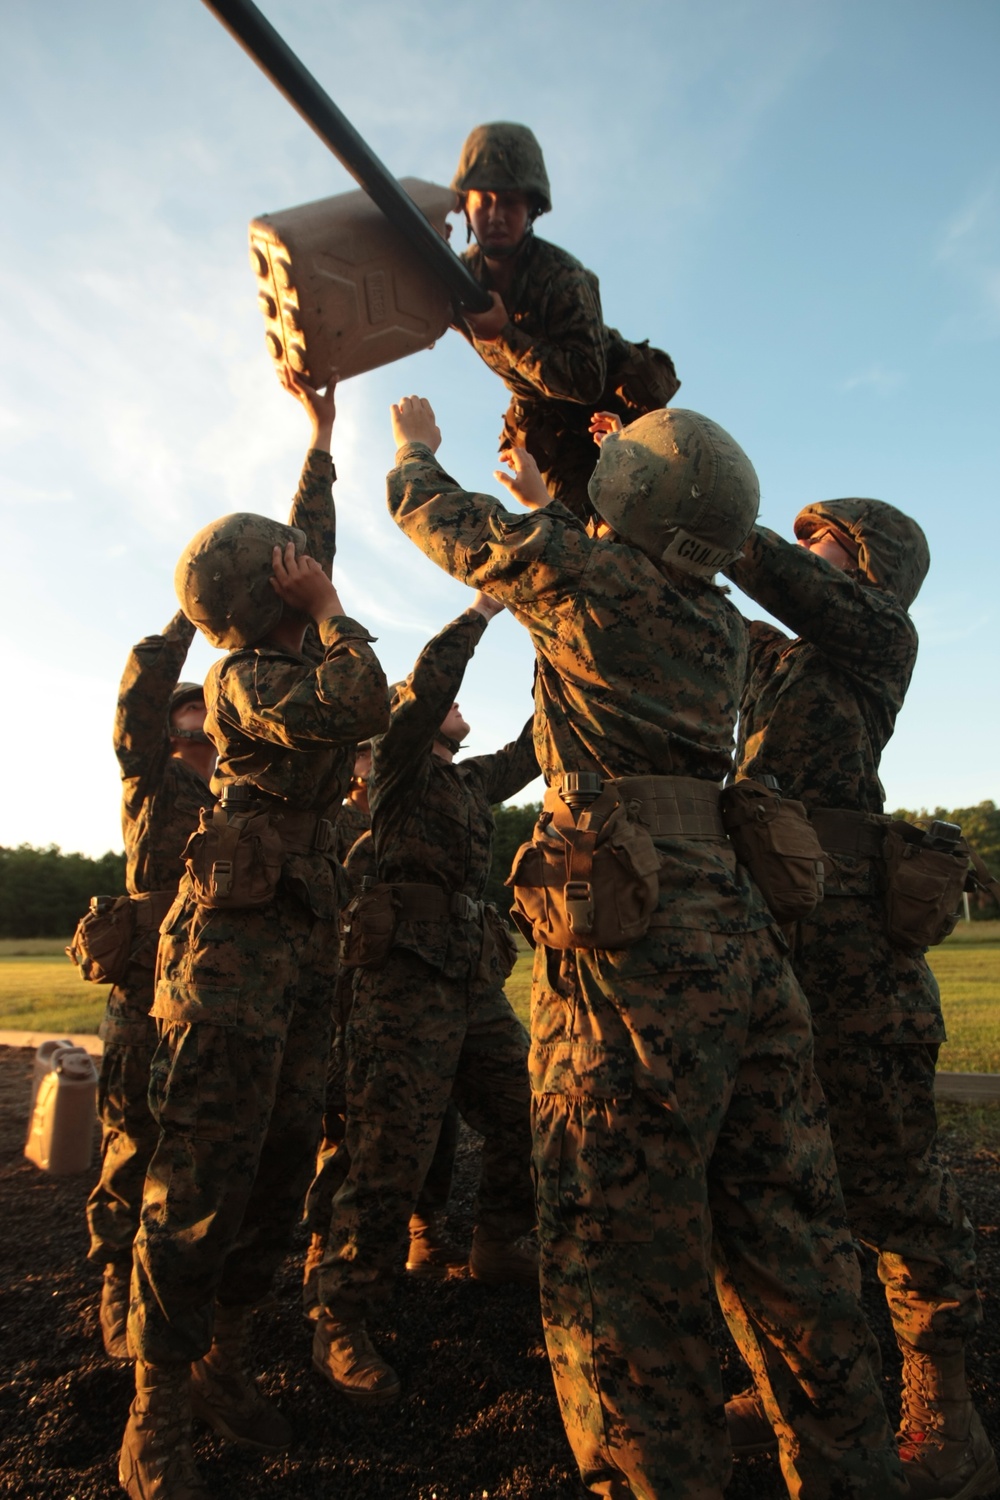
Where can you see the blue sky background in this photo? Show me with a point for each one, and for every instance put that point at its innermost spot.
(800, 201)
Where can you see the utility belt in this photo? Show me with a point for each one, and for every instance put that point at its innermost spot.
(921, 873)
(236, 854)
(106, 936)
(370, 921)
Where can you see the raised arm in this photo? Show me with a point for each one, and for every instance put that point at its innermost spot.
(506, 772)
(141, 734)
(859, 627)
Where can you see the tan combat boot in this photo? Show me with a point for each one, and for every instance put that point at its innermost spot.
(946, 1454)
(224, 1394)
(311, 1305)
(749, 1430)
(497, 1260)
(431, 1253)
(114, 1310)
(156, 1460)
(345, 1354)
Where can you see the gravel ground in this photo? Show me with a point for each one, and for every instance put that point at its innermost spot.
(477, 1420)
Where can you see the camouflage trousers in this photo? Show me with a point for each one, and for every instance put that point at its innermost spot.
(415, 1040)
(128, 1131)
(243, 1011)
(902, 1202)
(681, 1140)
(877, 1022)
(333, 1159)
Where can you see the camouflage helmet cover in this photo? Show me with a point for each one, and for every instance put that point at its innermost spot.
(676, 485)
(892, 549)
(503, 157)
(186, 692)
(223, 578)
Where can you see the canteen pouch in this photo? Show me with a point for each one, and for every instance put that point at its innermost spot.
(592, 882)
(102, 942)
(234, 859)
(499, 951)
(774, 839)
(923, 887)
(368, 927)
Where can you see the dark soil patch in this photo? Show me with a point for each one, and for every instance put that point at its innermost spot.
(478, 1416)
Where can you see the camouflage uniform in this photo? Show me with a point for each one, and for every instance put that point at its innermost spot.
(243, 996)
(561, 364)
(332, 1159)
(680, 1130)
(816, 713)
(161, 799)
(432, 1022)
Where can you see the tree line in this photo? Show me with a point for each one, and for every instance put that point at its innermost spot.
(44, 892)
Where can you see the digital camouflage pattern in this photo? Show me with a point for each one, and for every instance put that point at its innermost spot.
(432, 1024)
(816, 713)
(561, 363)
(356, 852)
(679, 1131)
(223, 579)
(161, 799)
(243, 997)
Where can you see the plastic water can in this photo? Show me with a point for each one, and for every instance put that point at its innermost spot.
(341, 290)
(64, 1109)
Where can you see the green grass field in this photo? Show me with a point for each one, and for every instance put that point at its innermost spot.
(40, 990)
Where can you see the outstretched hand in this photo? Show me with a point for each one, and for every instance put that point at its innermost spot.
(302, 583)
(413, 422)
(487, 325)
(604, 424)
(320, 406)
(484, 605)
(526, 483)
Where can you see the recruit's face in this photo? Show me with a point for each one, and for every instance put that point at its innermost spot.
(499, 220)
(453, 725)
(189, 716)
(825, 544)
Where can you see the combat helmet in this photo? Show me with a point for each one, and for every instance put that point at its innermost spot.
(502, 158)
(223, 578)
(891, 548)
(185, 692)
(676, 485)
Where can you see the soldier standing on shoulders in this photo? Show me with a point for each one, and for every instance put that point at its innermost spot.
(430, 1021)
(245, 971)
(816, 713)
(679, 1128)
(430, 1254)
(545, 334)
(166, 762)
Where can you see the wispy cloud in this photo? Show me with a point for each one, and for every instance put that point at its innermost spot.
(876, 378)
(969, 249)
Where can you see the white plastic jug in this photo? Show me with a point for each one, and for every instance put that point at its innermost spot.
(64, 1109)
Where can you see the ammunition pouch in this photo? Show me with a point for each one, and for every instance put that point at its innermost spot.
(645, 379)
(148, 911)
(923, 887)
(589, 881)
(102, 943)
(773, 837)
(234, 858)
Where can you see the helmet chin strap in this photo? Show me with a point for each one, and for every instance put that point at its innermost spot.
(196, 736)
(447, 743)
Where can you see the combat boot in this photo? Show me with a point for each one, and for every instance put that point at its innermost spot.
(114, 1310)
(497, 1260)
(946, 1454)
(156, 1460)
(311, 1305)
(346, 1356)
(749, 1430)
(431, 1253)
(224, 1394)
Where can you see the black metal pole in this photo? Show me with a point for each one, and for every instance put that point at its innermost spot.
(275, 58)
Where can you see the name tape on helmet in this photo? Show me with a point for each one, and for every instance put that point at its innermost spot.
(696, 556)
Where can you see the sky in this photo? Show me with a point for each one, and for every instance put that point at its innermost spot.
(799, 199)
